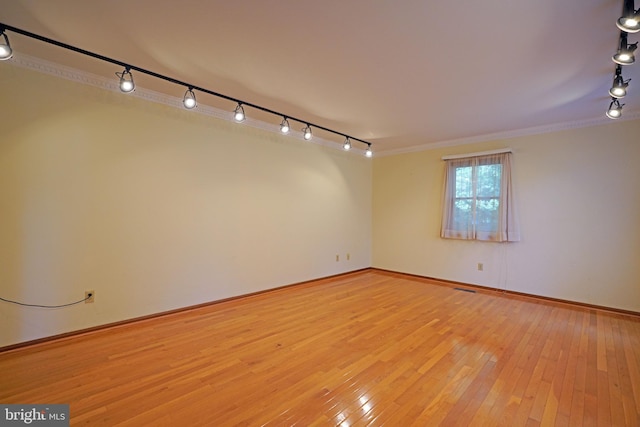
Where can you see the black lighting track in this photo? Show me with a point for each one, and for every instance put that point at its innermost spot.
(628, 23)
(29, 34)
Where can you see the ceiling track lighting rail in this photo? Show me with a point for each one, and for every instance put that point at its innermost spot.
(126, 84)
(628, 23)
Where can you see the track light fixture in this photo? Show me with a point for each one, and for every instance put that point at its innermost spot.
(629, 22)
(284, 126)
(126, 80)
(127, 85)
(368, 151)
(624, 55)
(630, 19)
(615, 109)
(5, 48)
(238, 113)
(619, 87)
(189, 100)
(307, 132)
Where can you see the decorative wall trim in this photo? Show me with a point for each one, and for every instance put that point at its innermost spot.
(79, 76)
(536, 130)
(68, 73)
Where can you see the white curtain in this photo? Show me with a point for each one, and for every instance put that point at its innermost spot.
(478, 199)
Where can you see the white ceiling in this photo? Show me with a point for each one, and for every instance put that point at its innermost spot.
(399, 74)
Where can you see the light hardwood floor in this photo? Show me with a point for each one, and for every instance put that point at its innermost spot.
(370, 348)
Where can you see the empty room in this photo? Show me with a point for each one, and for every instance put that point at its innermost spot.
(330, 213)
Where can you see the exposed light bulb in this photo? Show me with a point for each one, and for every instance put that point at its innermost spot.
(238, 113)
(618, 92)
(126, 86)
(615, 109)
(619, 87)
(347, 144)
(630, 21)
(614, 114)
(368, 152)
(284, 126)
(5, 52)
(624, 55)
(5, 49)
(307, 132)
(189, 100)
(126, 81)
(189, 103)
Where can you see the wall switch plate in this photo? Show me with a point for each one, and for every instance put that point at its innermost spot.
(348, 257)
(337, 258)
(480, 266)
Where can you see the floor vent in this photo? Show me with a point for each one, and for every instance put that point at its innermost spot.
(465, 290)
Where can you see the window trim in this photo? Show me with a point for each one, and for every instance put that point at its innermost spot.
(506, 227)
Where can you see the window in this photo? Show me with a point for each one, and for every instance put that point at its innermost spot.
(478, 202)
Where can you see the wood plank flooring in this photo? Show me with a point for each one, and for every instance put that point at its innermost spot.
(370, 348)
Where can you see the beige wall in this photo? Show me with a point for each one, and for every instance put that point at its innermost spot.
(157, 208)
(579, 208)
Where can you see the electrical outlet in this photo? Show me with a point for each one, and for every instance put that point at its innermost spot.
(337, 258)
(348, 257)
(480, 266)
(89, 297)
